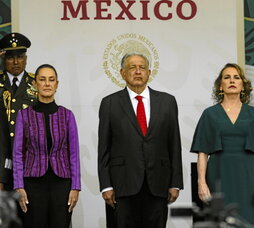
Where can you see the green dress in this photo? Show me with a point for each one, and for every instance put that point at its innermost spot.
(230, 167)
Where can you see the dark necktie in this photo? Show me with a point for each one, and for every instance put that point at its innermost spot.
(141, 115)
(14, 85)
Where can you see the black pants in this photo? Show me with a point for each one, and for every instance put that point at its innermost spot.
(110, 216)
(48, 197)
(143, 210)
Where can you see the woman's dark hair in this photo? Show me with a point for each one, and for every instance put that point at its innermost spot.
(245, 95)
(45, 66)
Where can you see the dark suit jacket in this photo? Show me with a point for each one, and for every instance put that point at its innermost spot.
(125, 155)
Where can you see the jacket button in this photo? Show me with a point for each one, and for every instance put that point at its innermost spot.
(12, 122)
(13, 100)
(13, 111)
(11, 134)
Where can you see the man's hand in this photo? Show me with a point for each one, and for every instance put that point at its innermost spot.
(173, 194)
(109, 197)
(1, 186)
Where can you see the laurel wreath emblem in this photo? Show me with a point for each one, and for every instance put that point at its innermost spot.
(128, 43)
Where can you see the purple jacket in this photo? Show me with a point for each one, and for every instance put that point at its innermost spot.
(30, 153)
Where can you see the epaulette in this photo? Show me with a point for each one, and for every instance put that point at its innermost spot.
(31, 75)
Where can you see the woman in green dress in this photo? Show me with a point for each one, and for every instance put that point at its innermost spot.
(224, 141)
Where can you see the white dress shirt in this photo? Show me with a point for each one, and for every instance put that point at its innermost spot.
(146, 101)
(19, 77)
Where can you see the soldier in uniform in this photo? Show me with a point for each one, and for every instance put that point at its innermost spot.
(16, 92)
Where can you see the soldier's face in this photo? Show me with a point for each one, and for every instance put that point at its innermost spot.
(46, 84)
(15, 64)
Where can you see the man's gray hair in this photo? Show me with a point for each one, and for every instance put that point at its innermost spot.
(126, 56)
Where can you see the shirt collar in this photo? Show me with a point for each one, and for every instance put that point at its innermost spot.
(19, 77)
(144, 94)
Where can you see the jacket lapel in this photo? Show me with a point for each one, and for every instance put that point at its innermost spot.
(126, 105)
(7, 84)
(154, 109)
(22, 85)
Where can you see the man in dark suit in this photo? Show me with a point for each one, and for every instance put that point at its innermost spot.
(16, 92)
(139, 151)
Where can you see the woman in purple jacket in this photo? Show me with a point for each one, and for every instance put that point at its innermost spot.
(46, 165)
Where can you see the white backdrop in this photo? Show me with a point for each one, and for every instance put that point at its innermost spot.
(187, 54)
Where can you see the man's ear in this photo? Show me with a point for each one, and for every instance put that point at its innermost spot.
(122, 72)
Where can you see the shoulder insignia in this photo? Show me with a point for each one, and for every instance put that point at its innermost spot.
(31, 75)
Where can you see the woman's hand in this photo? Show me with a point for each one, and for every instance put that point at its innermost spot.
(23, 200)
(73, 199)
(204, 192)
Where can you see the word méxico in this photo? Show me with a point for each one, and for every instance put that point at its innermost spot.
(162, 9)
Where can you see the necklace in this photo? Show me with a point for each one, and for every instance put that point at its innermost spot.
(227, 109)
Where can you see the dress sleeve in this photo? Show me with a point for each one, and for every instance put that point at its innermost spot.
(207, 137)
(17, 154)
(74, 153)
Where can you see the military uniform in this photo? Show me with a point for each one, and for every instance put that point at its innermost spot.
(24, 97)
(14, 46)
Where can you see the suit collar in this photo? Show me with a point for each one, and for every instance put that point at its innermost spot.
(155, 106)
(145, 93)
(19, 77)
(22, 85)
(126, 104)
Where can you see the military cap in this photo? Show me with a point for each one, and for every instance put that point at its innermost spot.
(14, 43)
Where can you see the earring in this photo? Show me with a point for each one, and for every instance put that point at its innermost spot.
(242, 94)
(221, 93)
